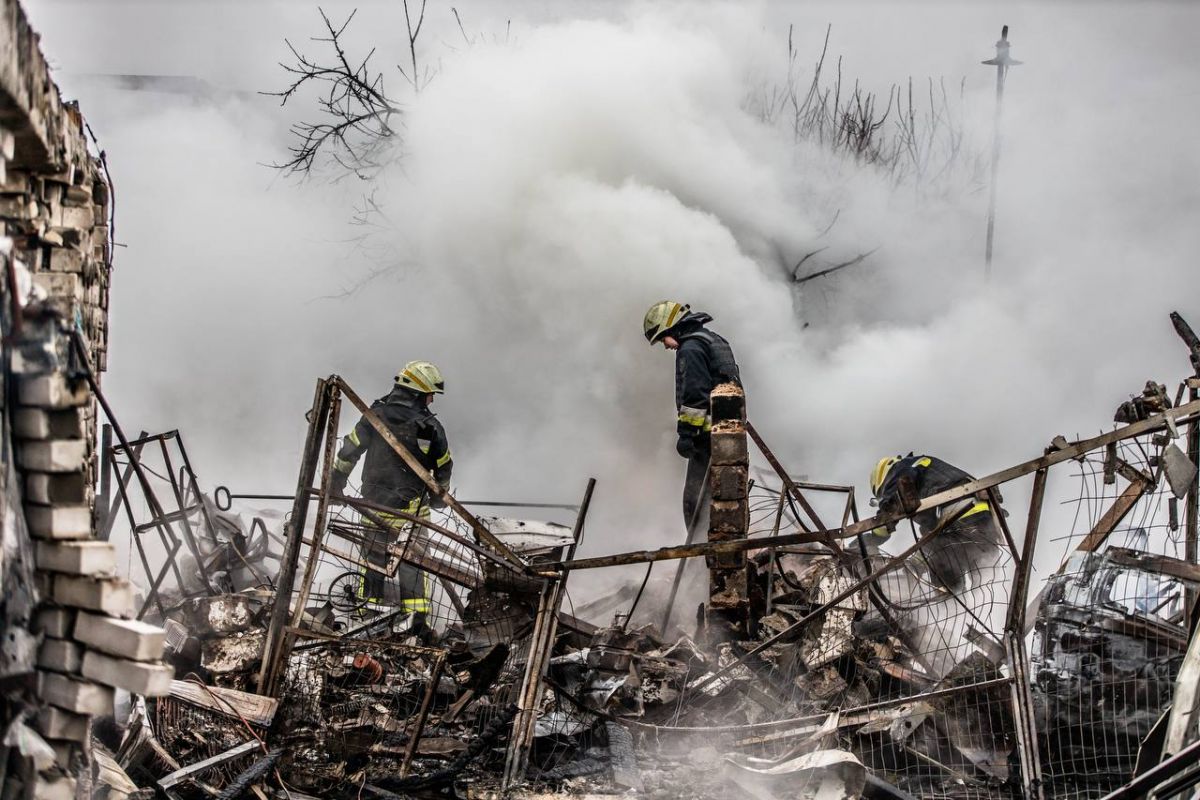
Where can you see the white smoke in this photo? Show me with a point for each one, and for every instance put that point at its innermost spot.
(557, 181)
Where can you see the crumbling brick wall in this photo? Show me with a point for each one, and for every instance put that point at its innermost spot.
(69, 637)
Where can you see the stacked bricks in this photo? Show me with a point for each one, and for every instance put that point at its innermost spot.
(729, 511)
(89, 643)
(55, 205)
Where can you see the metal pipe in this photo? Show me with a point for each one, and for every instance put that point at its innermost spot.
(1002, 62)
(1142, 785)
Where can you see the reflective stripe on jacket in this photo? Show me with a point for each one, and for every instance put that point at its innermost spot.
(704, 360)
(386, 479)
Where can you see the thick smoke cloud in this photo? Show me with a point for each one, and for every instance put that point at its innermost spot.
(557, 180)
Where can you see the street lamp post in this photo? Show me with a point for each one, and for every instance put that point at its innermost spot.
(1001, 62)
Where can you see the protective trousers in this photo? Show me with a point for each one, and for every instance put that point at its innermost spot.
(965, 552)
(695, 492)
(409, 588)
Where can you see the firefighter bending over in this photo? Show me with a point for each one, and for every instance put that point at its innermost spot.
(966, 545)
(388, 481)
(703, 359)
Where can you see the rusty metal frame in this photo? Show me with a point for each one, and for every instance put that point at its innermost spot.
(183, 488)
(1019, 682)
(275, 647)
(538, 658)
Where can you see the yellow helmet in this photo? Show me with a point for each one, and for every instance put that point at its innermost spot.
(880, 473)
(661, 317)
(423, 377)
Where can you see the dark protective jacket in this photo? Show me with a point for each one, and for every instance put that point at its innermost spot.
(704, 360)
(386, 479)
(929, 476)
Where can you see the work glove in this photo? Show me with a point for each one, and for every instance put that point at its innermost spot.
(337, 484)
(436, 501)
(873, 539)
(686, 446)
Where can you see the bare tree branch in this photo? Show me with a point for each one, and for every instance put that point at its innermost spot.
(356, 117)
(861, 257)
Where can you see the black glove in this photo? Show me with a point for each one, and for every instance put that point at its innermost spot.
(686, 446)
(337, 483)
(436, 501)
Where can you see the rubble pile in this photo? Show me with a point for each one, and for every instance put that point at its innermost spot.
(255, 664)
(838, 671)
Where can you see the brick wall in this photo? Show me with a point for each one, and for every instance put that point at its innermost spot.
(69, 639)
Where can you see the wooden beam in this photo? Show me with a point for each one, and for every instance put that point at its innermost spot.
(254, 708)
(179, 776)
(1113, 516)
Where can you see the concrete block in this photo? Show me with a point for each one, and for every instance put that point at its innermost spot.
(18, 207)
(60, 655)
(729, 445)
(73, 217)
(67, 754)
(39, 423)
(729, 517)
(127, 638)
(59, 522)
(78, 195)
(52, 391)
(54, 788)
(80, 697)
(112, 596)
(138, 677)
(64, 259)
(32, 361)
(728, 483)
(728, 402)
(63, 285)
(52, 455)
(64, 488)
(78, 558)
(56, 622)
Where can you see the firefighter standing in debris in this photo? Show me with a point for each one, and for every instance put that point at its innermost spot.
(388, 481)
(703, 359)
(966, 545)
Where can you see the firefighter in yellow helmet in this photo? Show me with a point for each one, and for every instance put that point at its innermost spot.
(388, 481)
(703, 359)
(967, 546)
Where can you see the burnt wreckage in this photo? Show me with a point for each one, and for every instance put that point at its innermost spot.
(813, 667)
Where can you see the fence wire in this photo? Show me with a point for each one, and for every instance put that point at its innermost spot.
(1112, 631)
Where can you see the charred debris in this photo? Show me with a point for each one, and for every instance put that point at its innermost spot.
(813, 668)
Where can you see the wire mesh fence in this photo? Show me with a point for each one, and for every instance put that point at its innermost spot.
(906, 673)
(1113, 631)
